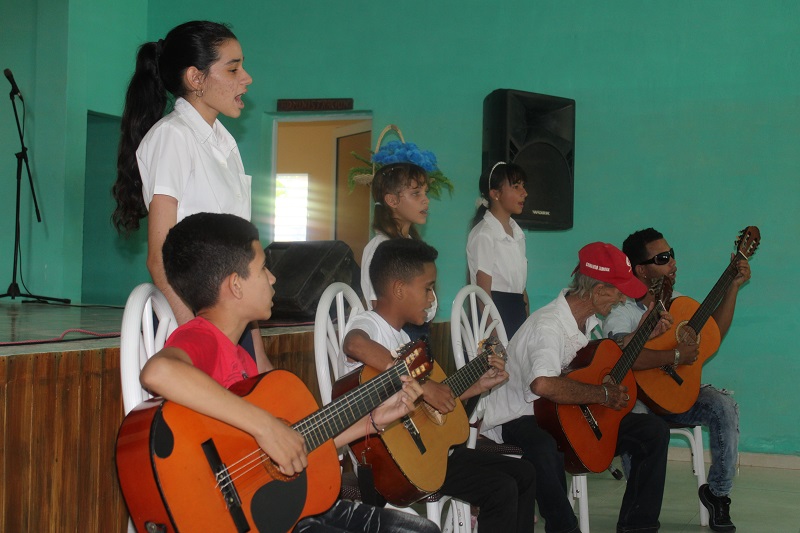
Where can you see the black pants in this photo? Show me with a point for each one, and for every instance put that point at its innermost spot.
(645, 437)
(347, 516)
(504, 488)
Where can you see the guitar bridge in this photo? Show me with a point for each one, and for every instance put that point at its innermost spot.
(411, 427)
(226, 486)
(670, 371)
(590, 419)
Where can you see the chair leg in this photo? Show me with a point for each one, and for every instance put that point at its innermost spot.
(699, 466)
(695, 437)
(579, 491)
(433, 511)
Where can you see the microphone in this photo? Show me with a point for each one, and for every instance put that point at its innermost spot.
(14, 88)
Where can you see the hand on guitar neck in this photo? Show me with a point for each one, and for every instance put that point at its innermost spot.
(664, 323)
(491, 378)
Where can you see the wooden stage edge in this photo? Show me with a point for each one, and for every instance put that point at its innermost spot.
(60, 409)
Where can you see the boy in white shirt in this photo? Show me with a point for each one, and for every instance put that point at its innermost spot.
(403, 274)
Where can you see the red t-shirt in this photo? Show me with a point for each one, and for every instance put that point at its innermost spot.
(212, 352)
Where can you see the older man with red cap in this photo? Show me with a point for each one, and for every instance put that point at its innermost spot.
(538, 353)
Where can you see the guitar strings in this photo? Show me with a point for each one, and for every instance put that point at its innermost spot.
(471, 371)
(237, 470)
(631, 351)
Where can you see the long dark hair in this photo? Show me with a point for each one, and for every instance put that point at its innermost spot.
(160, 67)
(492, 179)
(392, 179)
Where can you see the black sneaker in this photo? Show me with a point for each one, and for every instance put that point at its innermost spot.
(719, 509)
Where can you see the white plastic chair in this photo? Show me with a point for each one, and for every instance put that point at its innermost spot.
(139, 340)
(328, 356)
(694, 434)
(468, 326)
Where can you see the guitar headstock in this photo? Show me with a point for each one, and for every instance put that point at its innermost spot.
(416, 355)
(661, 289)
(748, 240)
(491, 345)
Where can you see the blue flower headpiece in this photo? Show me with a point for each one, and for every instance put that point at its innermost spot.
(400, 152)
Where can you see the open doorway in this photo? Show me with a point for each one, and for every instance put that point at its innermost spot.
(312, 157)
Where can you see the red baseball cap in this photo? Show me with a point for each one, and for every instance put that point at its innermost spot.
(605, 262)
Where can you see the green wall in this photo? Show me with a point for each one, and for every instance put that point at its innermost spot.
(687, 120)
(68, 58)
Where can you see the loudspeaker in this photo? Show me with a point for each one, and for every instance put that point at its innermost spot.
(303, 270)
(537, 132)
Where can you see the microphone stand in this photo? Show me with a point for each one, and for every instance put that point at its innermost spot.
(22, 155)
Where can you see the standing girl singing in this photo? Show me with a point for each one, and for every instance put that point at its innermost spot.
(496, 245)
(170, 167)
(400, 193)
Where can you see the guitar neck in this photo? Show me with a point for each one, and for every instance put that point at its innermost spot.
(716, 295)
(334, 418)
(634, 347)
(468, 374)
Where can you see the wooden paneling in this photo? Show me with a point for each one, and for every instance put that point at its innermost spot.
(60, 418)
(60, 413)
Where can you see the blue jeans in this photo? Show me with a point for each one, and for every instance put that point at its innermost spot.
(350, 516)
(644, 437)
(718, 411)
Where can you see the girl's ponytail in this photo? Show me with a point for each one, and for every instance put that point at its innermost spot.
(145, 102)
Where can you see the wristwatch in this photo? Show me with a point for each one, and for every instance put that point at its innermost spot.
(677, 357)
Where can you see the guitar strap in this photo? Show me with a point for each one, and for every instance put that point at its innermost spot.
(366, 485)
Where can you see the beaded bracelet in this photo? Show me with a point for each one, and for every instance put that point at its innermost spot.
(372, 421)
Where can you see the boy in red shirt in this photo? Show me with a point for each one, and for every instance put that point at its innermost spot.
(217, 266)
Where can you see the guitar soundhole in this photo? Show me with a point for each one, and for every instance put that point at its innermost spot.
(276, 506)
(435, 416)
(683, 333)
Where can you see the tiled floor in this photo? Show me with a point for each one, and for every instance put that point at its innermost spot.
(764, 500)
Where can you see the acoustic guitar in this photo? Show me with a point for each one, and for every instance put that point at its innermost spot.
(183, 471)
(669, 389)
(587, 434)
(409, 460)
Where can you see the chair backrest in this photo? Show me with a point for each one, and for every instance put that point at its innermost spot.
(329, 334)
(140, 338)
(469, 324)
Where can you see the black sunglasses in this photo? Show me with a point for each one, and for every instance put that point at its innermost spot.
(660, 259)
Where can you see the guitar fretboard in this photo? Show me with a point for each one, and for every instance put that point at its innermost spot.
(631, 351)
(716, 295)
(346, 410)
(468, 374)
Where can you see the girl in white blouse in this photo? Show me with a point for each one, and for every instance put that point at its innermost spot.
(496, 244)
(186, 162)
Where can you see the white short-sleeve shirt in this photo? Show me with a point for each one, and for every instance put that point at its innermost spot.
(544, 345)
(625, 318)
(376, 329)
(498, 254)
(198, 165)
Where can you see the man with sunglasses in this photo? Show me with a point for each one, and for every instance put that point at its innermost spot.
(652, 258)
